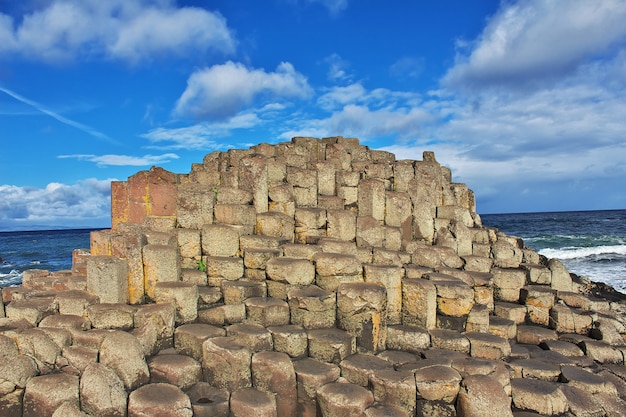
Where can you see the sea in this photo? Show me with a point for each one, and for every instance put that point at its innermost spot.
(589, 243)
(41, 249)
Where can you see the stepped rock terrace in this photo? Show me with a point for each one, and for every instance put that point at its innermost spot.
(312, 277)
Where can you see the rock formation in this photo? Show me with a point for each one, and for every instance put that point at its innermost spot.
(313, 277)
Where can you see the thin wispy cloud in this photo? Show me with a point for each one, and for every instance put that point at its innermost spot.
(42, 109)
(124, 160)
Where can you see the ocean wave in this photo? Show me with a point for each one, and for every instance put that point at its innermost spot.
(587, 252)
(12, 278)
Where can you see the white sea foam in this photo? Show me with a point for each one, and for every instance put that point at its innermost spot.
(575, 253)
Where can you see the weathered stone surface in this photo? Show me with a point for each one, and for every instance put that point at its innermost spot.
(532, 368)
(482, 395)
(312, 307)
(161, 263)
(290, 339)
(507, 283)
(357, 368)
(394, 388)
(161, 316)
(208, 401)
(437, 383)
(454, 298)
(407, 338)
(37, 344)
(361, 311)
(107, 278)
(254, 336)
(221, 239)
(180, 370)
(273, 372)
(581, 402)
(561, 279)
(348, 400)
(45, 393)
(488, 346)
(184, 296)
(159, 399)
(419, 303)
(391, 278)
(15, 372)
(122, 352)
(188, 338)
(330, 345)
(267, 311)
(450, 340)
(111, 316)
(586, 381)
(312, 374)
(102, 392)
(226, 363)
(534, 335)
(543, 397)
(247, 402)
(291, 271)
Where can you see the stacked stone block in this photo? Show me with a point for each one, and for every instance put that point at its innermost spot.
(305, 278)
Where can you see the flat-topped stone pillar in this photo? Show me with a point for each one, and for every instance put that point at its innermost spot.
(188, 338)
(246, 402)
(391, 277)
(312, 307)
(184, 295)
(362, 312)
(312, 374)
(348, 400)
(226, 363)
(44, 394)
(273, 372)
(107, 278)
(208, 401)
(159, 399)
(161, 263)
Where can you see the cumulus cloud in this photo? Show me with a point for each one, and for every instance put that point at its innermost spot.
(123, 160)
(129, 30)
(87, 202)
(221, 91)
(365, 123)
(532, 42)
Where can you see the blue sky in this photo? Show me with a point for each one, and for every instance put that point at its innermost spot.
(524, 100)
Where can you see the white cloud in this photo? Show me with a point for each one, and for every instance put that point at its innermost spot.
(337, 97)
(123, 160)
(365, 123)
(537, 41)
(87, 202)
(206, 135)
(223, 90)
(337, 68)
(131, 30)
(335, 7)
(407, 67)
